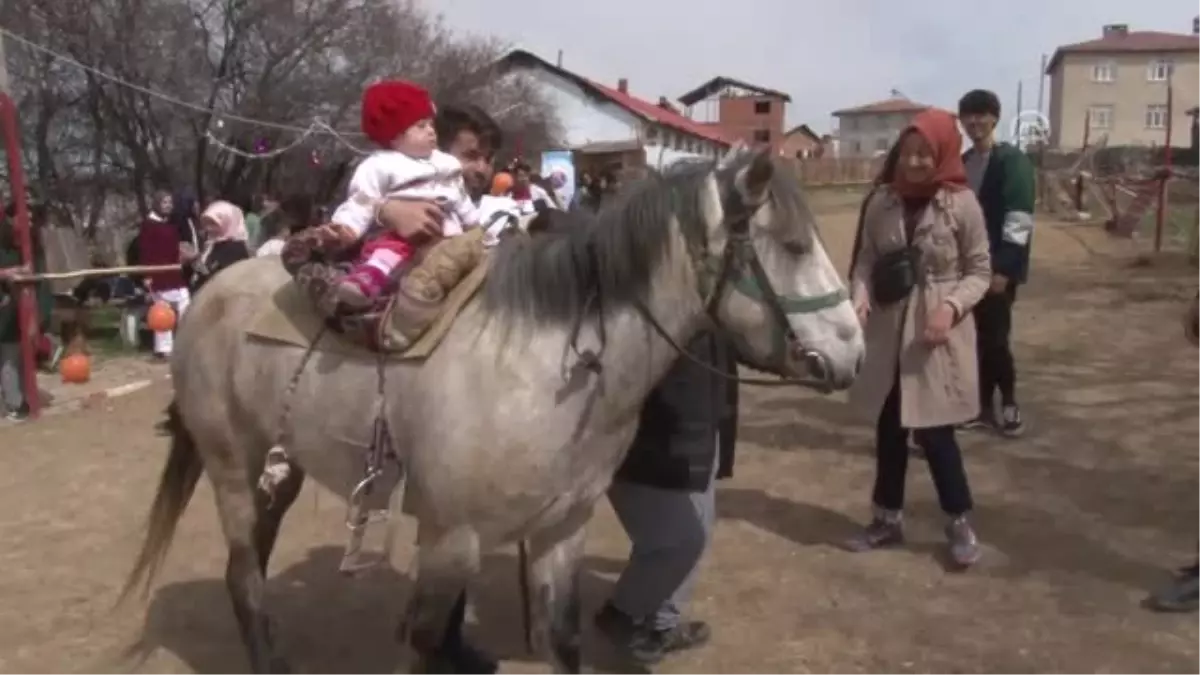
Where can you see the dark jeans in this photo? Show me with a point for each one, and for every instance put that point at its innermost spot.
(941, 452)
(993, 324)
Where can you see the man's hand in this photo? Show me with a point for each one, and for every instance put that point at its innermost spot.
(414, 220)
(10, 273)
(999, 284)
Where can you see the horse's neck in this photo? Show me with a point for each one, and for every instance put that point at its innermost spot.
(636, 356)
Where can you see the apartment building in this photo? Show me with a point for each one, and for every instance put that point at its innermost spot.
(1116, 86)
(869, 130)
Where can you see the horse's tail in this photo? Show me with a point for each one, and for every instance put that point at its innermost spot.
(175, 489)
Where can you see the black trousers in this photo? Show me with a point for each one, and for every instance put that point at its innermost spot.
(993, 325)
(941, 453)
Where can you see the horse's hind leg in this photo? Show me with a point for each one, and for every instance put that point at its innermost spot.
(250, 528)
(444, 565)
(554, 565)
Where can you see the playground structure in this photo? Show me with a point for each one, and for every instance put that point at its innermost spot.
(28, 321)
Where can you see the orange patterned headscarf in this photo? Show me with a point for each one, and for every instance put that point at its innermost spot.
(940, 129)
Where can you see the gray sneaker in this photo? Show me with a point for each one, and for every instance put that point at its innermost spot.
(964, 545)
(1011, 424)
(884, 530)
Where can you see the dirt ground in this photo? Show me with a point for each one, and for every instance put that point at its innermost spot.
(1082, 516)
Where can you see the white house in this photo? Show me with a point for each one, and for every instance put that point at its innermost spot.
(606, 126)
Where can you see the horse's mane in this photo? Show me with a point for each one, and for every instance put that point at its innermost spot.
(548, 278)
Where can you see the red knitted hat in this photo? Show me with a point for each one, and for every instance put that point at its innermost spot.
(389, 108)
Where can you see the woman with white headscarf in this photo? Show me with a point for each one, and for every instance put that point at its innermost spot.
(224, 227)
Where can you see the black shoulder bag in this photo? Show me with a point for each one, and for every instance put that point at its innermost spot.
(895, 273)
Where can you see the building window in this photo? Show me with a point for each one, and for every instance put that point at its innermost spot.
(1100, 116)
(1105, 71)
(881, 144)
(762, 107)
(856, 148)
(1156, 117)
(849, 123)
(762, 135)
(651, 134)
(1160, 70)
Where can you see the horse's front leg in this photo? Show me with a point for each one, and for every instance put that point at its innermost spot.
(555, 556)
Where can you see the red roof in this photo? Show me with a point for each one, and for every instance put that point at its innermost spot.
(1142, 41)
(891, 105)
(661, 115)
(644, 109)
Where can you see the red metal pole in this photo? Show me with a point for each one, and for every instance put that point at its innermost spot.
(1160, 216)
(27, 319)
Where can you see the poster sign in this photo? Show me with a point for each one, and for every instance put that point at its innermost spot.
(558, 167)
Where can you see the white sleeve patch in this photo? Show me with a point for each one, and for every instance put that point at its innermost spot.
(1018, 227)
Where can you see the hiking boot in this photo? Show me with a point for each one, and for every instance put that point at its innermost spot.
(1011, 424)
(616, 625)
(964, 545)
(884, 530)
(650, 646)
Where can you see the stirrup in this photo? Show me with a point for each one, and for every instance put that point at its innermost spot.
(354, 559)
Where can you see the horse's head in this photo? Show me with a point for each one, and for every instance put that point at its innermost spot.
(770, 284)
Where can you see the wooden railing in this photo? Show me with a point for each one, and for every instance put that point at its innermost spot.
(837, 171)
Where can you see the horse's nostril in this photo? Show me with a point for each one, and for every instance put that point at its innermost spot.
(859, 364)
(816, 365)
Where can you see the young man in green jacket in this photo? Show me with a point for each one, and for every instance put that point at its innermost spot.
(1003, 180)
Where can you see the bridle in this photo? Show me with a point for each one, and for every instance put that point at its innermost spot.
(741, 269)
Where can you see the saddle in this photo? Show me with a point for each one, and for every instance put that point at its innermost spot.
(411, 320)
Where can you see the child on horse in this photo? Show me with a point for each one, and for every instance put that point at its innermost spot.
(398, 117)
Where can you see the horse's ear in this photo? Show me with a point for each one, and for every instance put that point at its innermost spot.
(758, 174)
(734, 151)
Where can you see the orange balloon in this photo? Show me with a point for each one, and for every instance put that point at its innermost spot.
(501, 183)
(160, 318)
(75, 369)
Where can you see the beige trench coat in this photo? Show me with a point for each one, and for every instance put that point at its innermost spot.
(938, 385)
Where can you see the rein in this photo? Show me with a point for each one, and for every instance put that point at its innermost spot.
(739, 258)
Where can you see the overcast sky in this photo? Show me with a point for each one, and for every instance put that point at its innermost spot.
(827, 55)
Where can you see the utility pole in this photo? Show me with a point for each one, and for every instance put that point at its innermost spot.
(1042, 85)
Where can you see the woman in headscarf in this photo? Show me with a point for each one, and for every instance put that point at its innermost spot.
(921, 265)
(224, 228)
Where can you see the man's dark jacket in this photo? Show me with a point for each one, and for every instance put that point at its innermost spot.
(1007, 195)
(681, 421)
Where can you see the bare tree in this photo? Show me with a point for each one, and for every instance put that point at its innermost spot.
(200, 68)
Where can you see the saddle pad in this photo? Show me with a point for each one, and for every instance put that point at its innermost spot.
(288, 316)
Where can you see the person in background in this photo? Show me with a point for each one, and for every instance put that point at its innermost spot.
(12, 383)
(161, 241)
(585, 193)
(922, 264)
(524, 190)
(253, 221)
(1004, 181)
(468, 133)
(294, 214)
(224, 228)
(184, 213)
(664, 494)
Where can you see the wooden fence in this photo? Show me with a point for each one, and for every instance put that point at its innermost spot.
(837, 170)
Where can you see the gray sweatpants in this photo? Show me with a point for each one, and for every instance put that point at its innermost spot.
(670, 531)
(10, 376)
